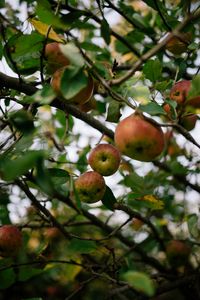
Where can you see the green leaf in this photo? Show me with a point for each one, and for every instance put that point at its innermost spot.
(32, 299)
(153, 69)
(72, 82)
(113, 113)
(134, 181)
(25, 51)
(105, 31)
(73, 54)
(7, 278)
(140, 93)
(81, 246)
(192, 222)
(22, 121)
(27, 272)
(43, 96)
(140, 282)
(109, 199)
(195, 87)
(13, 168)
(90, 47)
(2, 3)
(47, 16)
(153, 109)
(58, 176)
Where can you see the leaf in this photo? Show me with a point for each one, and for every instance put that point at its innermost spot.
(140, 93)
(73, 54)
(13, 168)
(7, 278)
(135, 182)
(155, 203)
(105, 31)
(43, 29)
(109, 199)
(192, 222)
(81, 246)
(141, 282)
(153, 109)
(27, 272)
(72, 82)
(22, 121)
(43, 96)
(2, 3)
(195, 87)
(58, 176)
(153, 69)
(113, 113)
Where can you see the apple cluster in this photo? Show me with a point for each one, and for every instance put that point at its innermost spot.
(57, 63)
(185, 103)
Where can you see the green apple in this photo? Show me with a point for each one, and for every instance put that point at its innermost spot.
(139, 138)
(104, 159)
(90, 187)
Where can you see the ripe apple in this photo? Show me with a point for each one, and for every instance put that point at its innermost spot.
(177, 45)
(139, 138)
(10, 240)
(188, 121)
(55, 58)
(81, 97)
(90, 187)
(179, 93)
(177, 252)
(104, 159)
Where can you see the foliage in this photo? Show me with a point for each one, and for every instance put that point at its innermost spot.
(75, 250)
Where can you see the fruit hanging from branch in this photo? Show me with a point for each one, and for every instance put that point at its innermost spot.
(10, 240)
(90, 187)
(178, 252)
(55, 58)
(82, 96)
(104, 159)
(139, 138)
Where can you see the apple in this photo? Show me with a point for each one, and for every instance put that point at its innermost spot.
(55, 58)
(177, 45)
(10, 240)
(137, 224)
(188, 121)
(89, 105)
(104, 159)
(90, 187)
(179, 93)
(177, 252)
(139, 138)
(81, 97)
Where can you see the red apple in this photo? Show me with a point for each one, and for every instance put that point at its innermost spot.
(90, 187)
(104, 159)
(179, 93)
(178, 252)
(10, 240)
(188, 121)
(139, 138)
(55, 58)
(81, 97)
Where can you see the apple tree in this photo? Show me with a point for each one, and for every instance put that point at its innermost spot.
(99, 149)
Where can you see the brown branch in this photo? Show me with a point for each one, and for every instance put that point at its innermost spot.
(156, 49)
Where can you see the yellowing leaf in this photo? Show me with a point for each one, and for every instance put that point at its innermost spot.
(154, 201)
(43, 29)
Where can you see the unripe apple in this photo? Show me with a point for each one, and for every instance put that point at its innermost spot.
(10, 240)
(81, 97)
(90, 187)
(55, 58)
(139, 138)
(104, 159)
(177, 45)
(178, 252)
(188, 121)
